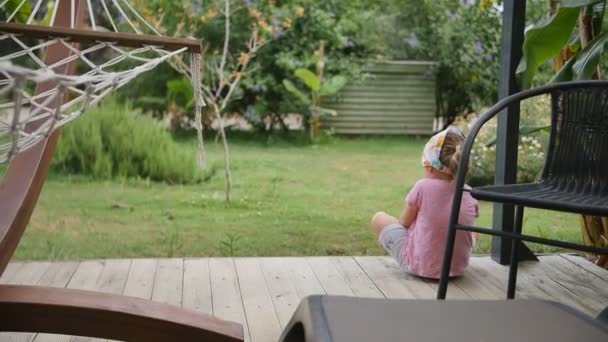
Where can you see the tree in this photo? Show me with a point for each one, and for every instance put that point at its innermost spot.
(223, 71)
(345, 27)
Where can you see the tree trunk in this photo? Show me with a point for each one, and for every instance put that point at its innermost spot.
(226, 153)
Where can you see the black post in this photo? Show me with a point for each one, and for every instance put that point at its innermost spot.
(513, 23)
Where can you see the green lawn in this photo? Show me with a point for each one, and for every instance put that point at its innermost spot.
(288, 200)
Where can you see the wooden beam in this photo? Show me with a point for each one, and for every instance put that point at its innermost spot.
(89, 36)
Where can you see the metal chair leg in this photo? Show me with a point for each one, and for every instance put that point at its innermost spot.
(519, 217)
(447, 261)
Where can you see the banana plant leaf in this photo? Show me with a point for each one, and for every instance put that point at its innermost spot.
(544, 41)
(332, 86)
(579, 3)
(582, 65)
(565, 73)
(297, 93)
(588, 59)
(311, 80)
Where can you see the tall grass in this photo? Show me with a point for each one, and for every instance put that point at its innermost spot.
(115, 141)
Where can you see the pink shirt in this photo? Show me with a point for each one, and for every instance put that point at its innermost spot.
(424, 249)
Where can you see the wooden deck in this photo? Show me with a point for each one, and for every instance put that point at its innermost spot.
(262, 293)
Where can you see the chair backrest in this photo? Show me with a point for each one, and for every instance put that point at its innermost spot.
(26, 173)
(577, 158)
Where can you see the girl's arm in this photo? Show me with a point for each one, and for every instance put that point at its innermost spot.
(408, 215)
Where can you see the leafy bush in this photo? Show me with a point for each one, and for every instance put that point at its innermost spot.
(113, 140)
(464, 38)
(535, 112)
(341, 25)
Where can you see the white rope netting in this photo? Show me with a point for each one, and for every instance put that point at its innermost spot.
(28, 116)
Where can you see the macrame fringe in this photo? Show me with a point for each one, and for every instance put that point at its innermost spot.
(195, 77)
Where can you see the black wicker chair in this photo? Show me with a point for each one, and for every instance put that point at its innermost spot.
(574, 178)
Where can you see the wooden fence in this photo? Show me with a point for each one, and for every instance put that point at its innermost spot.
(398, 98)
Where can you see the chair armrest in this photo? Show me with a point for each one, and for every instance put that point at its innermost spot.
(85, 313)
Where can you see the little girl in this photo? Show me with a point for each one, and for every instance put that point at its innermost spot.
(417, 239)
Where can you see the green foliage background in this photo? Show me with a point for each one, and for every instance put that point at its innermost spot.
(463, 37)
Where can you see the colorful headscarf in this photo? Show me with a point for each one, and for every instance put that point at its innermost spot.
(432, 150)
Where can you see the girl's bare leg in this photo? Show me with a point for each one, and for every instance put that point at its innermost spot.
(381, 220)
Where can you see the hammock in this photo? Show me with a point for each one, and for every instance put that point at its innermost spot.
(108, 58)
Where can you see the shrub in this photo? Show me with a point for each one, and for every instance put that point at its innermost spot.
(535, 112)
(113, 140)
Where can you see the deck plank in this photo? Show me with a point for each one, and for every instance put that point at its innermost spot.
(498, 275)
(227, 301)
(58, 274)
(282, 290)
(477, 285)
(140, 280)
(168, 282)
(86, 275)
(533, 283)
(114, 276)
(10, 270)
(537, 274)
(489, 280)
(582, 290)
(391, 283)
(587, 265)
(356, 278)
(330, 278)
(581, 276)
(30, 273)
(303, 277)
(260, 312)
(197, 286)
(419, 287)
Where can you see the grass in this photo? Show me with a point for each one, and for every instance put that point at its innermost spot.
(288, 200)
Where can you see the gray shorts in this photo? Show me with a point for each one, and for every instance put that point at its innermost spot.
(393, 238)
